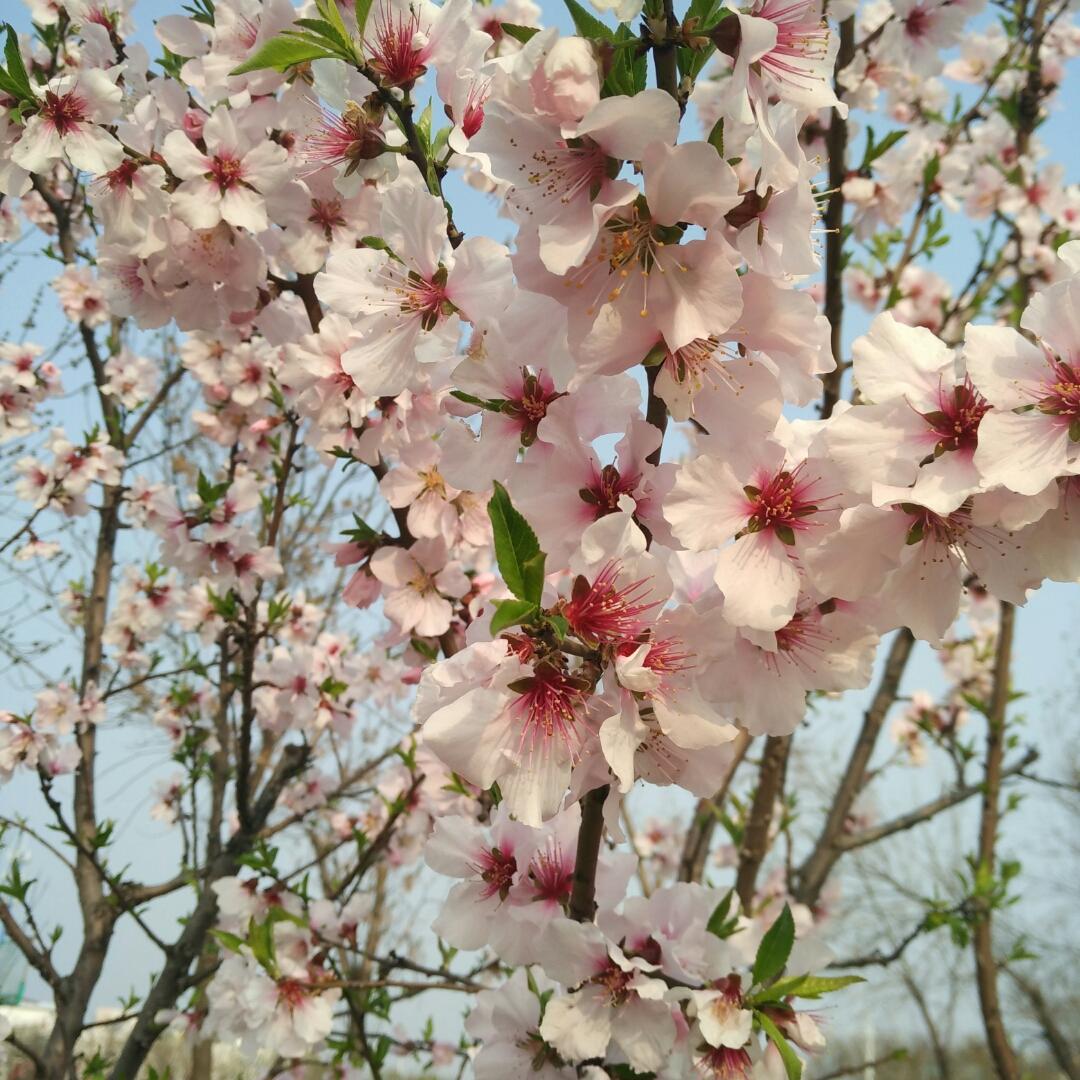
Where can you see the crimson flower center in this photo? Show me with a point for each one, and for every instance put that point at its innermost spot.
(615, 982)
(605, 613)
(607, 486)
(552, 877)
(780, 503)
(1063, 393)
(64, 112)
(547, 707)
(226, 171)
(957, 418)
(497, 869)
(394, 54)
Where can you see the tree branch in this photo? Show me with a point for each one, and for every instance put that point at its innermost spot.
(811, 876)
(997, 1038)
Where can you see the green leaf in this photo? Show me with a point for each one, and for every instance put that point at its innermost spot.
(13, 79)
(261, 943)
(875, 150)
(716, 136)
(281, 53)
(629, 71)
(329, 10)
(533, 571)
(519, 33)
(515, 545)
(930, 172)
(588, 26)
(363, 9)
(806, 986)
(775, 948)
(230, 941)
(510, 613)
(719, 923)
(792, 1065)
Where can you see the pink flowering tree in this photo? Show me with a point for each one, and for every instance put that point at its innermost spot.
(479, 580)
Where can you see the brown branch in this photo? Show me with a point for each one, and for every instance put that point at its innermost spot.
(153, 405)
(836, 143)
(1055, 1038)
(941, 1057)
(583, 890)
(381, 842)
(190, 943)
(755, 842)
(37, 959)
(706, 814)
(872, 835)
(811, 876)
(997, 1038)
(29, 1053)
(864, 1066)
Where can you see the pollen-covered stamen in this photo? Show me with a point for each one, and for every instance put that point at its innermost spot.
(615, 983)
(956, 420)
(804, 642)
(396, 49)
(292, 993)
(605, 613)
(700, 362)
(547, 708)
(925, 525)
(122, 176)
(665, 655)
(531, 405)
(1062, 395)
(628, 251)
(551, 874)
(497, 869)
(956, 532)
(327, 214)
(801, 36)
(573, 168)
(349, 139)
(433, 481)
(227, 171)
(723, 1063)
(64, 112)
(412, 294)
(781, 502)
(607, 487)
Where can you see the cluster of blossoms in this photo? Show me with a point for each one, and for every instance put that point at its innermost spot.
(24, 385)
(615, 545)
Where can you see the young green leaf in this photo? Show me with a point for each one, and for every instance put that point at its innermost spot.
(510, 613)
(519, 33)
(515, 545)
(330, 11)
(775, 948)
(718, 920)
(281, 53)
(792, 1065)
(716, 136)
(810, 986)
(14, 79)
(363, 10)
(588, 26)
